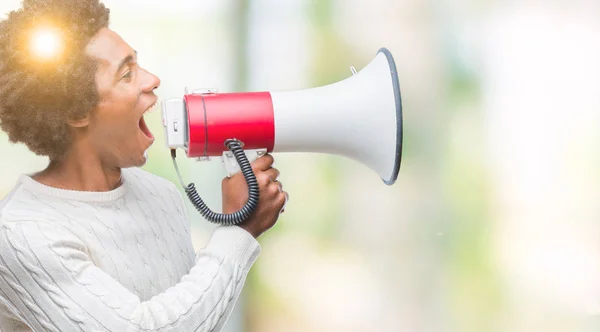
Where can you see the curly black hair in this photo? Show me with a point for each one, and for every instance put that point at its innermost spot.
(38, 97)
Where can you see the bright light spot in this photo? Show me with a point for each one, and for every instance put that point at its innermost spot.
(46, 43)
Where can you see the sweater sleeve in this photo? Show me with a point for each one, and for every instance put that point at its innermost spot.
(47, 275)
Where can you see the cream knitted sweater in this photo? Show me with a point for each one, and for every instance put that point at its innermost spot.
(114, 261)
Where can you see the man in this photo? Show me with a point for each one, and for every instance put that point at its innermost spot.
(92, 242)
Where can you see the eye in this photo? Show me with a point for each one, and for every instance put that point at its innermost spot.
(127, 75)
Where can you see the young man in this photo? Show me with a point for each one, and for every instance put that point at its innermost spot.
(92, 242)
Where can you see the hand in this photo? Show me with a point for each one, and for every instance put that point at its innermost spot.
(271, 201)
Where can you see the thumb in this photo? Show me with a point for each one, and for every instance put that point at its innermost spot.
(263, 163)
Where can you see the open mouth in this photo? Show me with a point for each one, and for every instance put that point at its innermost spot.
(143, 127)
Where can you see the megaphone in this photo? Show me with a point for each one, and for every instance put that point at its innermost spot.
(359, 118)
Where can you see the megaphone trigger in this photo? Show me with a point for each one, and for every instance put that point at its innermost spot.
(230, 163)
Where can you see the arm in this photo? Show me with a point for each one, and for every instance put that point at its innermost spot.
(47, 275)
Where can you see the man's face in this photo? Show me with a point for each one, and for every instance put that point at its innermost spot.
(117, 130)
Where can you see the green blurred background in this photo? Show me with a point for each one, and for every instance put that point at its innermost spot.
(493, 222)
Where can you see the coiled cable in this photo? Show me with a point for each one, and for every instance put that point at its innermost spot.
(227, 219)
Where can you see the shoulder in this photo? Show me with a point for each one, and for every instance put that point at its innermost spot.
(21, 203)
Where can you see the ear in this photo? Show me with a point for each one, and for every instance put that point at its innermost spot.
(79, 123)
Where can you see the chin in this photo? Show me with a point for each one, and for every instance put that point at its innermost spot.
(141, 157)
(137, 161)
(142, 160)
(140, 163)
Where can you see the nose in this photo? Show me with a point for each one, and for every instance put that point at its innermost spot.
(152, 82)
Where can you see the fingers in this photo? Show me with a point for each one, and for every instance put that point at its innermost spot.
(273, 187)
(264, 178)
(272, 173)
(263, 163)
(286, 198)
(268, 181)
(278, 187)
(267, 176)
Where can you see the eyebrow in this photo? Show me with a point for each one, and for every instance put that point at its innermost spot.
(127, 60)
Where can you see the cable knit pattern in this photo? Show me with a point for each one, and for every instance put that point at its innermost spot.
(114, 261)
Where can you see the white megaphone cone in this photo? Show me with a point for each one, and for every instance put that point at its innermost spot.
(358, 118)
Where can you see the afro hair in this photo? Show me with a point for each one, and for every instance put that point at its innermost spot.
(39, 96)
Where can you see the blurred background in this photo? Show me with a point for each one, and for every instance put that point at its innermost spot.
(493, 224)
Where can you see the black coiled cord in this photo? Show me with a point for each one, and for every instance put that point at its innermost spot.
(231, 218)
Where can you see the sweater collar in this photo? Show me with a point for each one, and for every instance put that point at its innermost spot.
(76, 195)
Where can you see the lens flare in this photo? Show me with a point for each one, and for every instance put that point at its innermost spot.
(46, 43)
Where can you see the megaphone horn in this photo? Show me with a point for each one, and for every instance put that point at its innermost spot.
(359, 118)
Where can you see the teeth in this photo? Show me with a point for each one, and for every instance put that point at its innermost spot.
(150, 109)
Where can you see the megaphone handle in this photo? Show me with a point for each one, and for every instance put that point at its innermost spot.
(229, 218)
(232, 166)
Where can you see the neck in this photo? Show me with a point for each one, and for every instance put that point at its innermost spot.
(80, 171)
